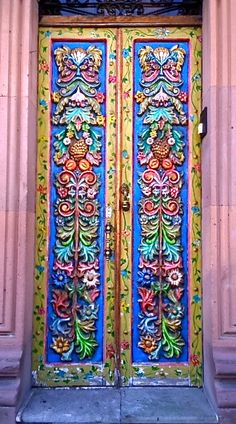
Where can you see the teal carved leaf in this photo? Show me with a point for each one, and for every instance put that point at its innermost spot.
(155, 114)
(73, 114)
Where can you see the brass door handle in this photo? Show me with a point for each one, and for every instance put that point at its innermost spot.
(125, 203)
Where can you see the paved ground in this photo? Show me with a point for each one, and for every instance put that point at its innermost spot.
(141, 405)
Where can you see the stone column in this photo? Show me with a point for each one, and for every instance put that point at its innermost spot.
(219, 205)
(18, 78)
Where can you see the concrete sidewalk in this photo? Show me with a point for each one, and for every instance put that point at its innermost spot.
(141, 405)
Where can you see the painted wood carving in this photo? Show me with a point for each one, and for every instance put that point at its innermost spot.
(118, 106)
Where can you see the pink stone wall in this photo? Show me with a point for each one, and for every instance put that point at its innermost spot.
(18, 78)
(219, 205)
(18, 99)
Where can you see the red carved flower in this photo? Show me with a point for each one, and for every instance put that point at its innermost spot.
(44, 66)
(110, 351)
(195, 360)
(61, 303)
(124, 345)
(41, 189)
(100, 97)
(147, 301)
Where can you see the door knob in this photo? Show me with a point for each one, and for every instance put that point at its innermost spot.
(125, 203)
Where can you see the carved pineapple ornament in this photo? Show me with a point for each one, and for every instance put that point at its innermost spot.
(160, 148)
(78, 149)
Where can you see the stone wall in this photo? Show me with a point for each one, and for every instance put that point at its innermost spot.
(18, 98)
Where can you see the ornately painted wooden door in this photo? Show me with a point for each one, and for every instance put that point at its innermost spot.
(118, 294)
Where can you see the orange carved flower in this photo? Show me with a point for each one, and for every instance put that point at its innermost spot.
(139, 97)
(148, 344)
(60, 345)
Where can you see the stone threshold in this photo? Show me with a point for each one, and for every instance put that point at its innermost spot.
(139, 405)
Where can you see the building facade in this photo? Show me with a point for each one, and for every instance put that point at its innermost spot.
(18, 96)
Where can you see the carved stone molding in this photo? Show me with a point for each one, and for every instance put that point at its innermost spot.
(18, 67)
(219, 205)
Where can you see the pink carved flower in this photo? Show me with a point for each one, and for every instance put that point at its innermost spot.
(142, 158)
(62, 192)
(197, 167)
(112, 78)
(91, 193)
(126, 94)
(174, 191)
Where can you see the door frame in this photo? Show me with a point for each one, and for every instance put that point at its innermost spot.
(118, 22)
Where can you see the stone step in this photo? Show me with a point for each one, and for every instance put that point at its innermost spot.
(139, 405)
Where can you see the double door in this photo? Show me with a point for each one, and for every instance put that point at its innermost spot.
(117, 268)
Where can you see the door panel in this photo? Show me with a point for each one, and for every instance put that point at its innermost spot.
(74, 311)
(118, 207)
(160, 259)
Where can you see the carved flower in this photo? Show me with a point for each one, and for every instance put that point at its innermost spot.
(44, 66)
(124, 345)
(62, 191)
(60, 278)
(110, 351)
(100, 97)
(60, 345)
(174, 191)
(195, 360)
(70, 134)
(175, 277)
(101, 120)
(146, 277)
(91, 193)
(139, 97)
(56, 97)
(183, 97)
(148, 344)
(91, 278)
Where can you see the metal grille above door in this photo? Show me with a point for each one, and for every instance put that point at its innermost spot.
(120, 7)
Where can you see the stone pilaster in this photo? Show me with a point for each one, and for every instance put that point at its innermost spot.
(219, 205)
(18, 76)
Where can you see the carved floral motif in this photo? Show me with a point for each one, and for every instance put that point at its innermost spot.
(75, 279)
(161, 152)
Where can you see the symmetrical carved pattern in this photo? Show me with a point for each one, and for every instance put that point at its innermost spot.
(161, 151)
(121, 7)
(77, 116)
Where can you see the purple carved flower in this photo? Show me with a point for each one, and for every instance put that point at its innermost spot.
(60, 278)
(146, 277)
